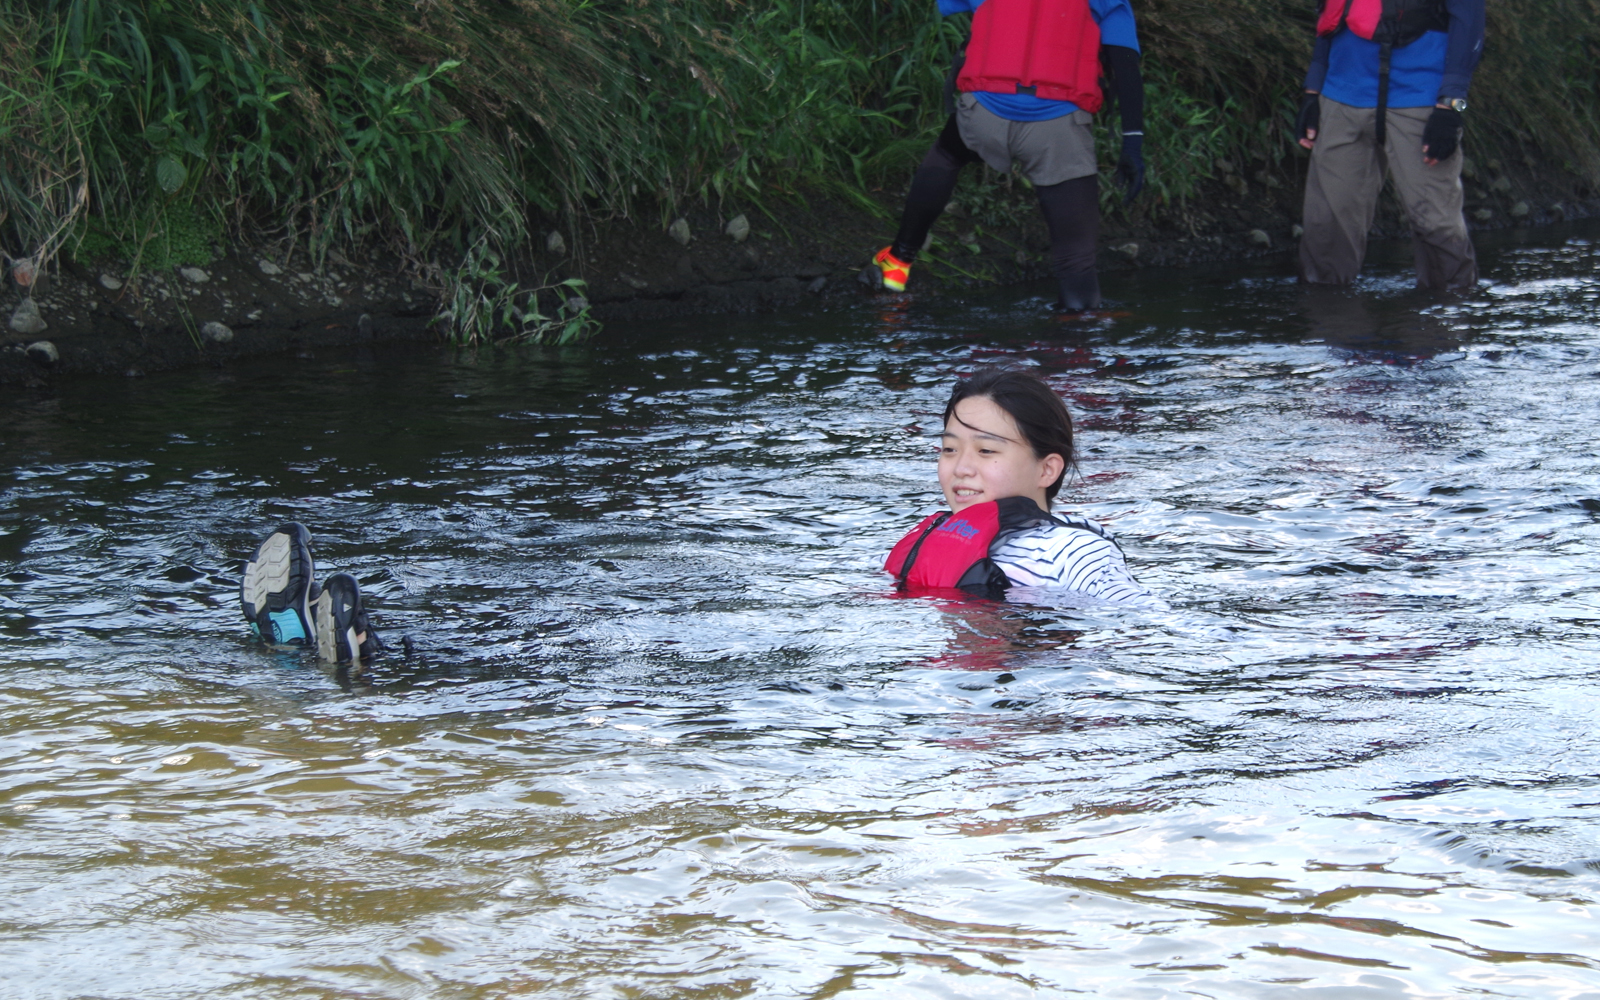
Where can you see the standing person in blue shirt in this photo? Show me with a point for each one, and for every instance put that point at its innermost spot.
(1388, 86)
(1029, 87)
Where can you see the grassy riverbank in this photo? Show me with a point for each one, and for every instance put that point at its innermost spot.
(455, 135)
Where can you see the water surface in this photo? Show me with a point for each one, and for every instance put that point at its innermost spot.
(668, 734)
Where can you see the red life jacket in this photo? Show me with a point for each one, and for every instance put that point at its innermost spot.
(1391, 22)
(1052, 46)
(951, 551)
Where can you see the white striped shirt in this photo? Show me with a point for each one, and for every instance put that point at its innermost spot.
(1077, 557)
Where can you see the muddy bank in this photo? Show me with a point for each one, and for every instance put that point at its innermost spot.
(806, 253)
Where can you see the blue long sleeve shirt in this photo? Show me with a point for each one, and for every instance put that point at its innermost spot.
(1344, 68)
(1117, 27)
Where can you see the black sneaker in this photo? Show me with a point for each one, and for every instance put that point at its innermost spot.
(344, 630)
(277, 589)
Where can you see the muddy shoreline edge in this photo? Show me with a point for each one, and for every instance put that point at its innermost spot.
(248, 302)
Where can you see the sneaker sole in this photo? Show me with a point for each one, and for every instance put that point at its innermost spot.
(278, 576)
(336, 610)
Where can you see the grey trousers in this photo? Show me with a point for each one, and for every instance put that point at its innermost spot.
(1342, 196)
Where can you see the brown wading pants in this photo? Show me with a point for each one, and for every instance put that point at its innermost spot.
(1342, 196)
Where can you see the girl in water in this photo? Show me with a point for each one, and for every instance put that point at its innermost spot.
(1006, 447)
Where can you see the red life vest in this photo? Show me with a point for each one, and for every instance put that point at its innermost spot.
(1052, 46)
(951, 551)
(1392, 22)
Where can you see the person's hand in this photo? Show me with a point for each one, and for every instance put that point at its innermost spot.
(1130, 169)
(1306, 122)
(1442, 135)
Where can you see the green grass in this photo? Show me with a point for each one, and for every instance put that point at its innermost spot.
(449, 130)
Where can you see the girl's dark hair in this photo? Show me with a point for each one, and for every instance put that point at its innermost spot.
(1040, 414)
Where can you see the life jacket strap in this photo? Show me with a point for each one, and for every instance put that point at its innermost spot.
(911, 556)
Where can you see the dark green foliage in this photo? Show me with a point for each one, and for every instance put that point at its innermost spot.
(447, 131)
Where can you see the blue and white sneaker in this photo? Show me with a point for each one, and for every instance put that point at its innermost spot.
(278, 588)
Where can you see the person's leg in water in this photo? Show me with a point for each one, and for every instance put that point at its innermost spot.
(285, 605)
(931, 188)
(1072, 213)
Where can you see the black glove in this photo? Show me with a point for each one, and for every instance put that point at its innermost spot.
(1130, 169)
(1309, 118)
(1442, 135)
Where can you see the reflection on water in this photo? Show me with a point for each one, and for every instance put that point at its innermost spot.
(667, 734)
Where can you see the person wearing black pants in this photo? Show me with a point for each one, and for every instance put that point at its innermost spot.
(1016, 107)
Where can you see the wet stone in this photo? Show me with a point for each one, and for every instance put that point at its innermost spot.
(555, 243)
(1520, 210)
(1260, 237)
(110, 282)
(27, 319)
(44, 352)
(268, 267)
(217, 333)
(194, 274)
(738, 228)
(679, 231)
(1128, 250)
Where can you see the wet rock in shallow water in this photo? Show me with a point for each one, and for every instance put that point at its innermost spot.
(1260, 237)
(1297, 230)
(1520, 210)
(738, 228)
(679, 230)
(555, 243)
(217, 333)
(1128, 250)
(44, 352)
(110, 282)
(27, 318)
(1501, 184)
(1483, 215)
(194, 274)
(268, 267)
(817, 285)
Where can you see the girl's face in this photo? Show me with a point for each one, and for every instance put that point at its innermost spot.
(985, 457)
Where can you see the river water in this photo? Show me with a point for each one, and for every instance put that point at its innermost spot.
(667, 733)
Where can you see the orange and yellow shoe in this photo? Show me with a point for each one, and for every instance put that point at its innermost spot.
(893, 272)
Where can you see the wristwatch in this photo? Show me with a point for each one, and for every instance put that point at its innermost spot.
(1456, 104)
